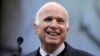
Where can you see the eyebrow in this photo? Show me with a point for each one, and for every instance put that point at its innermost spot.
(54, 17)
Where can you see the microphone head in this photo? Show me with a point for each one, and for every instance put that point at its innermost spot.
(20, 40)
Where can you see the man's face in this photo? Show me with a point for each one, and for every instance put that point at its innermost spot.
(52, 27)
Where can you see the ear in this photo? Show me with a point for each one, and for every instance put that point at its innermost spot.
(67, 28)
(36, 28)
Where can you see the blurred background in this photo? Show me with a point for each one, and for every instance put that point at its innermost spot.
(18, 15)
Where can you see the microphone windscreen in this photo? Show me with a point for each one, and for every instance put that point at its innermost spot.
(20, 40)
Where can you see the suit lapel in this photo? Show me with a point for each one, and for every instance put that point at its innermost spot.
(69, 51)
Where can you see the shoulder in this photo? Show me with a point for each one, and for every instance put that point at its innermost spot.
(72, 51)
(82, 53)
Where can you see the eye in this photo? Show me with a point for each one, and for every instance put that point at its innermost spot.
(48, 19)
(60, 20)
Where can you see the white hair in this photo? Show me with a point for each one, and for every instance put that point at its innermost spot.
(45, 5)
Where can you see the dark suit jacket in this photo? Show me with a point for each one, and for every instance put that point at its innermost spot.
(68, 51)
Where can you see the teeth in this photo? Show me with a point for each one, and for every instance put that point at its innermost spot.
(53, 34)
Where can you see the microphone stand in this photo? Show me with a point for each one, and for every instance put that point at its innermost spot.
(18, 50)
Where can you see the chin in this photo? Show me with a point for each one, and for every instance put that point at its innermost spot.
(55, 42)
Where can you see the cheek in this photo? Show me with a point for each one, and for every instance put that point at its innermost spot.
(63, 29)
(41, 33)
(42, 29)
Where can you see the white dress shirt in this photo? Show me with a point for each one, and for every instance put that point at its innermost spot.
(55, 53)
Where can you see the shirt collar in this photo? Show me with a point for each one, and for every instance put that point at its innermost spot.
(55, 53)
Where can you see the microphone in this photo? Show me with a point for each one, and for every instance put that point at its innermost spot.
(18, 50)
(20, 40)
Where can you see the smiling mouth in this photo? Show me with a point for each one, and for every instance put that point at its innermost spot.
(53, 33)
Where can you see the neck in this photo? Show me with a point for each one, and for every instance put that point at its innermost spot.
(50, 48)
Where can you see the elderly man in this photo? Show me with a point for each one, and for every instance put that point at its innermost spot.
(51, 26)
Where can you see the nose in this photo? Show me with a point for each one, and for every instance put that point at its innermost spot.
(54, 25)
